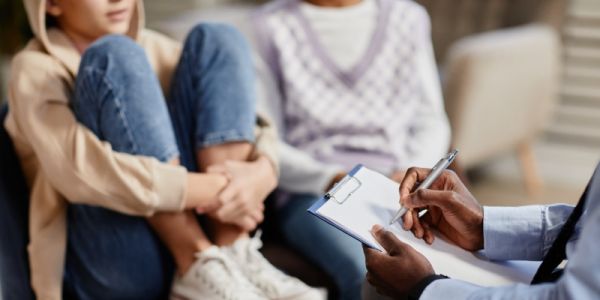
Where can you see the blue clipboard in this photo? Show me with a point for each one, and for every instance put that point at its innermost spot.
(340, 192)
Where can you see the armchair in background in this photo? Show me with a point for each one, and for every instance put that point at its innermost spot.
(500, 62)
(500, 88)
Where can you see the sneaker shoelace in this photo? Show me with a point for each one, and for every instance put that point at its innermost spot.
(261, 269)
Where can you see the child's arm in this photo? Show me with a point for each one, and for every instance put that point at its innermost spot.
(431, 138)
(79, 165)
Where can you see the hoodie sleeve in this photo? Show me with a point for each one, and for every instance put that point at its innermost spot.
(266, 141)
(78, 165)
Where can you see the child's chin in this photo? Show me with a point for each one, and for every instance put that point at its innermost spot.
(118, 29)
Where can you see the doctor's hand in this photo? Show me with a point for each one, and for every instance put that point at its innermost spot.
(398, 175)
(452, 210)
(396, 272)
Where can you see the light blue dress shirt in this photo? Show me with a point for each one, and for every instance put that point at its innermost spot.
(526, 233)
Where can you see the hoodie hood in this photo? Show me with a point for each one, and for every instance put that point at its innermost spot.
(57, 44)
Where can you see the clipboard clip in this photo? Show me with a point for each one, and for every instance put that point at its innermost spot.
(342, 190)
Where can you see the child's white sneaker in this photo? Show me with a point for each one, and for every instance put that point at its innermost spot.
(272, 282)
(214, 276)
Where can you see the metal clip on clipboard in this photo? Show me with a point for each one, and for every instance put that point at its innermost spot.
(342, 190)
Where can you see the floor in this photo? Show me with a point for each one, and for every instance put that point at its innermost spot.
(564, 169)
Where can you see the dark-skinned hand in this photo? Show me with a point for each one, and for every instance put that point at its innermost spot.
(451, 209)
(396, 271)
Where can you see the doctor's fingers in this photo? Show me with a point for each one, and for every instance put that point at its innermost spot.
(392, 245)
(419, 226)
(423, 198)
(411, 179)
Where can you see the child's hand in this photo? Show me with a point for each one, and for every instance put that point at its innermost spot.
(249, 185)
(336, 178)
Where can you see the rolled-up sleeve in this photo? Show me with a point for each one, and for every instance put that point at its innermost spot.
(522, 233)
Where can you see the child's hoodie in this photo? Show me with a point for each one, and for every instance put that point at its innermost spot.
(65, 162)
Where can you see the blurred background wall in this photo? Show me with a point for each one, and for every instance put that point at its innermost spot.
(578, 116)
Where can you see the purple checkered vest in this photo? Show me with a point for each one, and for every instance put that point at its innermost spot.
(363, 114)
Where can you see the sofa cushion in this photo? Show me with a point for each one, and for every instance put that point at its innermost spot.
(14, 205)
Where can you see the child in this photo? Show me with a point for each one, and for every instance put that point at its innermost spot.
(94, 135)
(347, 82)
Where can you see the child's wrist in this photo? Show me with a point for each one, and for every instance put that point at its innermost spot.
(203, 189)
(268, 170)
(335, 179)
(266, 164)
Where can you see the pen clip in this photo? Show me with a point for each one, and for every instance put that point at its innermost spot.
(452, 155)
(342, 190)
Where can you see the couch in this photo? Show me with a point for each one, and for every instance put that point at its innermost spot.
(14, 204)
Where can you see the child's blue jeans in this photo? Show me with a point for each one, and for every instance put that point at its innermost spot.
(118, 97)
(338, 254)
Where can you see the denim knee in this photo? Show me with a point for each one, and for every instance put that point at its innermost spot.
(216, 63)
(118, 49)
(116, 57)
(119, 98)
(226, 41)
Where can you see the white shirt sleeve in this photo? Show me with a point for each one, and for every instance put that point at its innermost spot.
(431, 138)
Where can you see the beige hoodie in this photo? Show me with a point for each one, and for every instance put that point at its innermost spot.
(65, 162)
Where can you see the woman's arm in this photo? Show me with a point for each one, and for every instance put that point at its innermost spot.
(431, 129)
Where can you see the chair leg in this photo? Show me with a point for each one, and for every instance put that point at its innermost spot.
(533, 182)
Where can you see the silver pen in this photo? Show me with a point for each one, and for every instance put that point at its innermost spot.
(436, 171)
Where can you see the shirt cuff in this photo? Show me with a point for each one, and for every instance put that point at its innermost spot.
(513, 233)
(448, 289)
(170, 187)
(417, 290)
